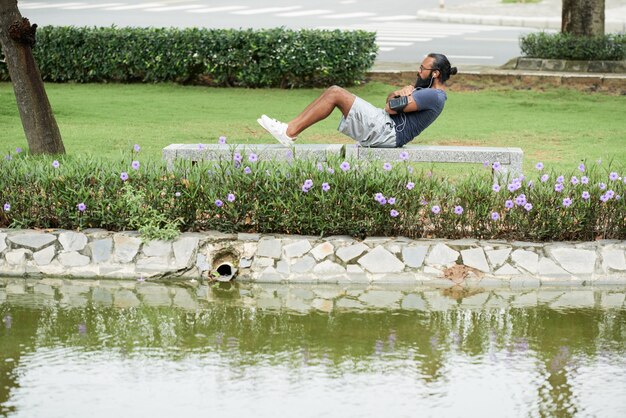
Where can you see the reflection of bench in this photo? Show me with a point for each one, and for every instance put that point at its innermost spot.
(509, 158)
(216, 152)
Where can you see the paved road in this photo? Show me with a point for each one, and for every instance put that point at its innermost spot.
(401, 37)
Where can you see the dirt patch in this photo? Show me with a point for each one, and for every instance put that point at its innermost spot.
(457, 274)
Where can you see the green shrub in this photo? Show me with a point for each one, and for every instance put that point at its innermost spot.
(309, 198)
(222, 57)
(571, 47)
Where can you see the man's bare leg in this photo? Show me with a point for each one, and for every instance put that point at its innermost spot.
(321, 108)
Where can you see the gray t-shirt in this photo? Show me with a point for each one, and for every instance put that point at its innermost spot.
(409, 125)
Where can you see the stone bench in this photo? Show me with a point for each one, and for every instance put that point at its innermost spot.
(277, 152)
(509, 158)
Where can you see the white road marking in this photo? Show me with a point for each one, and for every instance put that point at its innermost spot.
(386, 49)
(402, 39)
(92, 6)
(392, 18)
(34, 6)
(305, 13)
(135, 6)
(266, 10)
(394, 43)
(349, 15)
(172, 8)
(491, 39)
(217, 9)
(470, 57)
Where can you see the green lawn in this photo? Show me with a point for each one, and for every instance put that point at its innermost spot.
(559, 127)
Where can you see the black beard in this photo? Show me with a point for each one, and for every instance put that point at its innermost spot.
(423, 83)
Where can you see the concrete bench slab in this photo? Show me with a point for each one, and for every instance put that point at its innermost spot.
(509, 158)
(276, 152)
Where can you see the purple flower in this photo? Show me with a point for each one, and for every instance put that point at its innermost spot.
(496, 166)
(410, 170)
(495, 216)
(613, 176)
(382, 201)
(247, 170)
(177, 194)
(320, 167)
(485, 164)
(604, 198)
(528, 207)
(221, 140)
(391, 201)
(136, 147)
(231, 197)
(539, 166)
(378, 197)
(574, 180)
(560, 179)
(253, 158)
(201, 146)
(610, 194)
(237, 157)
(18, 150)
(567, 202)
(586, 195)
(544, 178)
(602, 186)
(584, 180)
(7, 207)
(495, 188)
(55, 164)
(219, 203)
(135, 165)
(509, 204)
(435, 209)
(330, 170)
(410, 185)
(308, 183)
(558, 187)
(124, 176)
(305, 189)
(325, 187)
(530, 184)
(81, 207)
(345, 166)
(404, 156)
(423, 201)
(458, 210)
(386, 166)
(393, 213)
(512, 187)
(520, 200)
(581, 167)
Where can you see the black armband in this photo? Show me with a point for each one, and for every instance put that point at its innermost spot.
(398, 103)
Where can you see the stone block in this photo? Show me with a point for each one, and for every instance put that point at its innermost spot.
(613, 260)
(349, 253)
(270, 275)
(184, 250)
(498, 257)
(282, 267)
(553, 65)
(297, 249)
(17, 257)
(261, 263)
(152, 265)
(442, 255)
(126, 248)
(527, 260)
(101, 250)
(475, 257)
(379, 260)
(3, 242)
(157, 248)
(303, 265)
(73, 259)
(269, 247)
(327, 267)
(45, 256)
(72, 241)
(549, 269)
(34, 241)
(507, 270)
(529, 64)
(573, 66)
(323, 250)
(414, 256)
(576, 261)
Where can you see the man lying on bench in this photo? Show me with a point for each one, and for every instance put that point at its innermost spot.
(407, 113)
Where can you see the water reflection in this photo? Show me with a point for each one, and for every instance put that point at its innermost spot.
(101, 349)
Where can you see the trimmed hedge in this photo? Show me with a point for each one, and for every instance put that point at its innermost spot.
(570, 47)
(220, 57)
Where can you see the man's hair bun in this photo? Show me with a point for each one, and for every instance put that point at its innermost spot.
(453, 71)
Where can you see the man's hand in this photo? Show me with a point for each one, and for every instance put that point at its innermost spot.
(404, 91)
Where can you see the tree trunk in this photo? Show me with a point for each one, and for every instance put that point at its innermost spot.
(17, 37)
(583, 17)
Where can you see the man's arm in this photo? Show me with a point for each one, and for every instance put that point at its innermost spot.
(405, 91)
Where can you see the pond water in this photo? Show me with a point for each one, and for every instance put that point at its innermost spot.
(73, 348)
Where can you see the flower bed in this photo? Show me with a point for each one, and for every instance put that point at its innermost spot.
(337, 197)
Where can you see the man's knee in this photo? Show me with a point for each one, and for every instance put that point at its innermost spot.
(336, 91)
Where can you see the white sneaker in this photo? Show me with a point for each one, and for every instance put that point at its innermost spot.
(277, 129)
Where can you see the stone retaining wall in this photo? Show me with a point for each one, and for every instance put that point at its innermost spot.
(300, 259)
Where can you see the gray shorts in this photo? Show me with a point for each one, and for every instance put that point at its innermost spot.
(370, 126)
